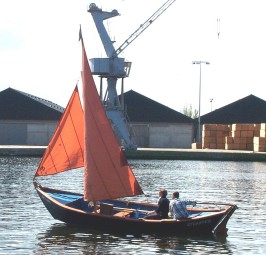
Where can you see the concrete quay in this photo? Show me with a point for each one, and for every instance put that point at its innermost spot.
(151, 153)
(21, 151)
(196, 154)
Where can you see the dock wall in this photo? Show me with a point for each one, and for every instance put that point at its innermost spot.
(149, 153)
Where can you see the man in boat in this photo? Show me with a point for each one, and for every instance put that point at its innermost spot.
(178, 207)
(163, 207)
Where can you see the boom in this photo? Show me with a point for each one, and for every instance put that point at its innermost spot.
(144, 26)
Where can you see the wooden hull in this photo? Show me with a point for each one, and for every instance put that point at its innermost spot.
(211, 222)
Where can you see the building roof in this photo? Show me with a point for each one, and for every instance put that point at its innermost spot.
(143, 109)
(250, 109)
(17, 105)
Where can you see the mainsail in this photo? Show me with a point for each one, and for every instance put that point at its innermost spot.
(107, 174)
(66, 148)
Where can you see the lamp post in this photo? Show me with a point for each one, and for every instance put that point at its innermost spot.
(199, 63)
(211, 99)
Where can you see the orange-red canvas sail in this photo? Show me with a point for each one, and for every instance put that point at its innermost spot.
(66, 148)
(107, 174)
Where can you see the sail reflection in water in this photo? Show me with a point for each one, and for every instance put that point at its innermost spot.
(27, 228)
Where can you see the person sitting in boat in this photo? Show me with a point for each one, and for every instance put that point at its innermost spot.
(178, 207)
(163, 207)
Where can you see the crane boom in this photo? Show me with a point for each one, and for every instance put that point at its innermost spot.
(143, 26)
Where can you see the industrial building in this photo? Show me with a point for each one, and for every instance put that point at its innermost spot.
(29, 120)
(26, 119)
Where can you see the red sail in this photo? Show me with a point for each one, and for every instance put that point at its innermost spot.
(66, 149)
(107, 174)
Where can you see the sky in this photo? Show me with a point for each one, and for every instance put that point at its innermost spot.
(40, 53)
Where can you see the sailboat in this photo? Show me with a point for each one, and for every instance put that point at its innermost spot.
(84, 139)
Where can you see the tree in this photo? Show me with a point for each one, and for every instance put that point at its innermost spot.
(190, 112)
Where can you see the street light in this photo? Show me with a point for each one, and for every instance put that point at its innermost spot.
(199, 63)
(211, 99)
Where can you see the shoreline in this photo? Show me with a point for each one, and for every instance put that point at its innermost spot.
(151, 153)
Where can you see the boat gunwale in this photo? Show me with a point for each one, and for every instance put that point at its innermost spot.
(38, 185)
(224, 211)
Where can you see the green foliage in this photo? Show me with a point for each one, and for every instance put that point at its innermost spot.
(190, 112)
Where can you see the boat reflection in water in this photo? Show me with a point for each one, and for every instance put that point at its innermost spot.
(63, 238)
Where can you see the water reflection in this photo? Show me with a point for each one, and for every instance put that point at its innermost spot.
(68, 240)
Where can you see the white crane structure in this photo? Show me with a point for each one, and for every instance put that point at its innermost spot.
(113, 68)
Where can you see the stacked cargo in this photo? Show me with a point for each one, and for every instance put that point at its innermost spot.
(259, 144)
(259, 141)
(196, 146)
(213, 136)
(241, 137)
(262, 132)
(250, 137)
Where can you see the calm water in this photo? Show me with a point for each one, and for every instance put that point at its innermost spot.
(27, 228)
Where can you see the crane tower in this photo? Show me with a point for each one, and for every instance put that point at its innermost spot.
(113, 68)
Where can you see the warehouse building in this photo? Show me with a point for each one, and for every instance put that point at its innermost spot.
(155, 125)
(26, 119)
(29, 120)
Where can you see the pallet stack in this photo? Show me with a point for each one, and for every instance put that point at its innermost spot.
(213, 136)
(259, 141)
(250, 137)
(259, 144)
(241, 136)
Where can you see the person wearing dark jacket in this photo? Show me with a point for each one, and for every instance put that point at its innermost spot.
(163, 207)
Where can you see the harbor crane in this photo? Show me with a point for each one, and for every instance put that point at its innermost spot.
(113, 68)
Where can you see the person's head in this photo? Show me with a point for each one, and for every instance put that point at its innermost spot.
(175, 195)
(163, 193)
